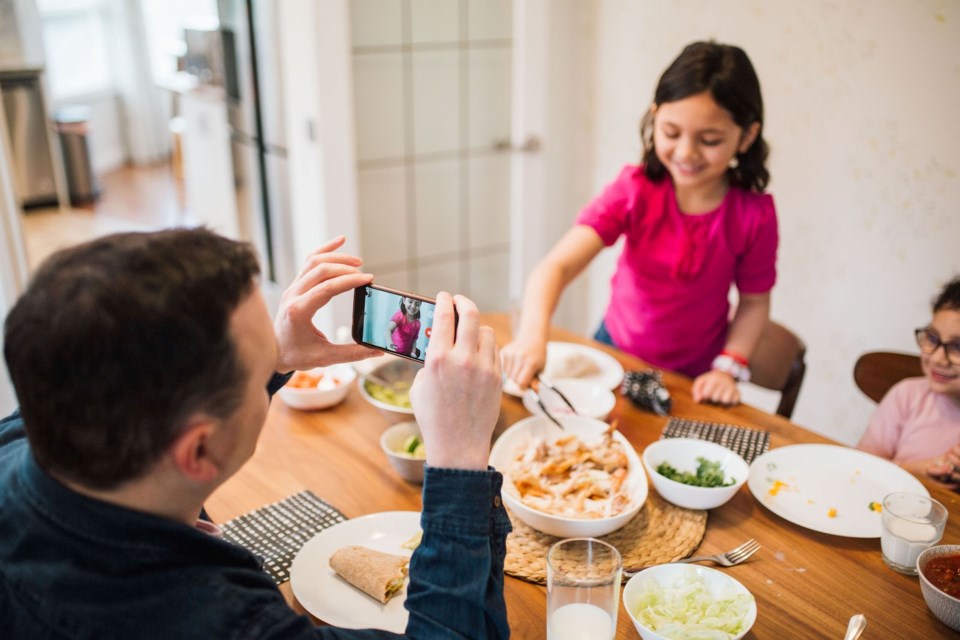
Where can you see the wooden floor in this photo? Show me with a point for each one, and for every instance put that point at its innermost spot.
(132, 199)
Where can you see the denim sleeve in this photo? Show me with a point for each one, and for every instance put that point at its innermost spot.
(456, 574)
(11, 429)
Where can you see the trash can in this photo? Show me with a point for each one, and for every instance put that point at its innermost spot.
(73, 127)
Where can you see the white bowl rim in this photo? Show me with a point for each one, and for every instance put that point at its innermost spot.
(378, 403)
(389, 431)
(676, 568)
(516, 505)
(348, 376)
(737, 460)
(953, 549)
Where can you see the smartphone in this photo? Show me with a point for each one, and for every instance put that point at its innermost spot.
(393, 321)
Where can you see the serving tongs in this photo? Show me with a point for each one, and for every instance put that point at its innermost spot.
(543, 407)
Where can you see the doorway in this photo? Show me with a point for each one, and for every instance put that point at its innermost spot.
(432, 107)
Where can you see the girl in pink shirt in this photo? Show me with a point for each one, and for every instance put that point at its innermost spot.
(695, 221)
(917, 424)
(404, 328)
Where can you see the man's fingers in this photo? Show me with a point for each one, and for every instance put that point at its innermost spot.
(322, 292)
(442, 332)
(468, 324)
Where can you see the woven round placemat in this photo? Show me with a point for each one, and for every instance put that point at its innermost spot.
(660, 532)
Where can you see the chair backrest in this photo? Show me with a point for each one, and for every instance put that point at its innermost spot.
(778, 364)
(877, 371)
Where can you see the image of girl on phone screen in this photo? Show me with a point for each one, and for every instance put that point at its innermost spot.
(404, 328)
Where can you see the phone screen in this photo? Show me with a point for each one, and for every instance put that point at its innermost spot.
(394, 321)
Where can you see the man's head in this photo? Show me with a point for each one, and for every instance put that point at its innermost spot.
(119, 343)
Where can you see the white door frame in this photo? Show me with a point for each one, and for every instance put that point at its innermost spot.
(13, 258)
(317, 34)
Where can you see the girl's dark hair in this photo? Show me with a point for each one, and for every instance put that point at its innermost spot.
(117, 342)
(404, 310)
(726, 72)
(949, 296)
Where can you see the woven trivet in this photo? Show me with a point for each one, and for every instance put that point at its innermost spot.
(660, 532)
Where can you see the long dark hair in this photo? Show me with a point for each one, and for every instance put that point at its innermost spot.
(727, 73)
(403, 309)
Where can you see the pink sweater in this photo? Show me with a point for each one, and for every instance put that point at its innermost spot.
(913, 422)
(669, 302)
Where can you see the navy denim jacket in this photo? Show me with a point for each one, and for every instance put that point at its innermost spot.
(74, 567)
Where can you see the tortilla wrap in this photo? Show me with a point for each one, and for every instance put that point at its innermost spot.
(379, 575)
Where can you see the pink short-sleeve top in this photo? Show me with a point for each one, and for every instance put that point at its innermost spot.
(669, 295)
(405, 334)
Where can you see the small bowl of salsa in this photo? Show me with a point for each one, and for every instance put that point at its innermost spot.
(939, 568)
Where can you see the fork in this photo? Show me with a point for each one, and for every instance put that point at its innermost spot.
(728, 559)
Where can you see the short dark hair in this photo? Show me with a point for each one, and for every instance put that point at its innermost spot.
(727, 73)
(118, 341)
(949, 296)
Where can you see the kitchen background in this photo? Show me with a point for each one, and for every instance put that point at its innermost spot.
(454, 141)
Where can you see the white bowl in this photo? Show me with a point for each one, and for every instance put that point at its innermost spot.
(589, 399)
(587, 429)
(409, 467)
(320, 398)
(682, 454)
(392, 370)
(720, 585)
(944, 606)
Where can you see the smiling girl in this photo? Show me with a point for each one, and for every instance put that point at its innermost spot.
(695, 221)
(917, 424)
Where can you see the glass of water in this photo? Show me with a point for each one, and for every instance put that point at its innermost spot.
(912, 522)
(583, 590)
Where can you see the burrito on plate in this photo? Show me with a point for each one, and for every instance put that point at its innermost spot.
(379, 575)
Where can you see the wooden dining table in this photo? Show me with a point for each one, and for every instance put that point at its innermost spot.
(807, 584)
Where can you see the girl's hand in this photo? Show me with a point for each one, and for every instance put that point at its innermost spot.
(523, 359)
(946, 468)
(717, 387)
(300, 344)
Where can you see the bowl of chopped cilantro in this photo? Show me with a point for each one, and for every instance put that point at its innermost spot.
(694, 474)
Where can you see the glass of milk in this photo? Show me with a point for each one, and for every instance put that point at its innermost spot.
(583, 590)
(911, 523)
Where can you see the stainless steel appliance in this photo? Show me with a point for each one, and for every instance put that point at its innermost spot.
(29, 134)
(252, 81)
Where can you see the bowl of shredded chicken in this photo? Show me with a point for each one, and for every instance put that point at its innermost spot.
(583, 480)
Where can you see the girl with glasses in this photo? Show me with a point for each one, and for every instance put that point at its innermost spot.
(917, 424)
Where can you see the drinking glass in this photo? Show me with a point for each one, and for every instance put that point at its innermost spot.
(912, 522)
(583, 590)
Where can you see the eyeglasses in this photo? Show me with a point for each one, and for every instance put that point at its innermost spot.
(929, 342)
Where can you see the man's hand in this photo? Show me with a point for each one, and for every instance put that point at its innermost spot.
(456, 396)
(326, 274)
(717, 387)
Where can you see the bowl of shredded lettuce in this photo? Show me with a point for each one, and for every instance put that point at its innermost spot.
(694, 474)
(685, 602)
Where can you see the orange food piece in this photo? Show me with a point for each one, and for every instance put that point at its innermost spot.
(831, 513)
(305, 380)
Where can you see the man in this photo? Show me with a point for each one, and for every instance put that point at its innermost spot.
(144, 365)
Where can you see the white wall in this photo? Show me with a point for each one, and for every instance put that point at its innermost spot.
(862, 101)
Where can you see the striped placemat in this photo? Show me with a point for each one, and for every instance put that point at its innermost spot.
(748, 443)
(277, 531)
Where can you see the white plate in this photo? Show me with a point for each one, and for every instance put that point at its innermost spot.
(609, 376)
(328, 596)
(816, 478)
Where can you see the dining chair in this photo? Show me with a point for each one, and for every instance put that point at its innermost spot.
(876, 371)
(778, 364)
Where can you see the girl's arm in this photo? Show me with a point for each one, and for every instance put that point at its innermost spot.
(751, 317)
(390, 329)
(524, 357)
